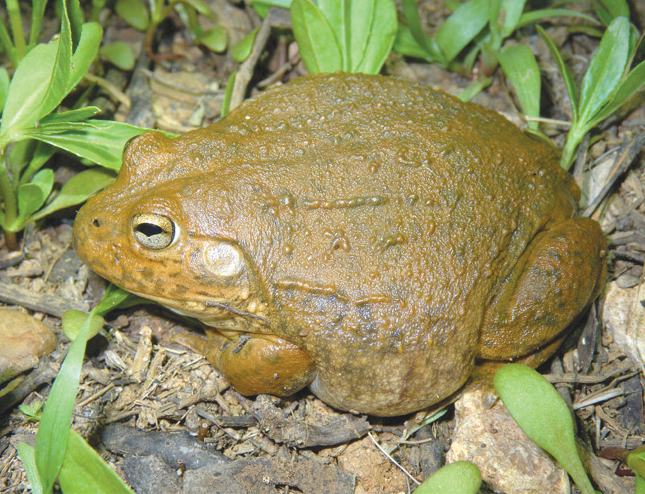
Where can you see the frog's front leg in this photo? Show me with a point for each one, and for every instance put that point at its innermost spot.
(556, 278)
(258, 364)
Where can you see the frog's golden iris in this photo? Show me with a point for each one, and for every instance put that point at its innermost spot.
(366, 236)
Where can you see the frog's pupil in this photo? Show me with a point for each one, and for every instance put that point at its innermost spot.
(149, 229)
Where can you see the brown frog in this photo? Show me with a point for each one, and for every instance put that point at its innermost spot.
(366, 236)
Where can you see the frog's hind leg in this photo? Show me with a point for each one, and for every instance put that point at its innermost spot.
(560, 273)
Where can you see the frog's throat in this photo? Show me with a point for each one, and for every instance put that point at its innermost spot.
(209, 312)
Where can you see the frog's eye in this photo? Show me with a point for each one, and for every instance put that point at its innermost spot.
(153, 231)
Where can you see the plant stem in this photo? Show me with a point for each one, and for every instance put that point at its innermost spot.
(16, 27)
(570, 149)
(10, 202)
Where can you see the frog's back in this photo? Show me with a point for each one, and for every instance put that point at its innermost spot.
(361, 182)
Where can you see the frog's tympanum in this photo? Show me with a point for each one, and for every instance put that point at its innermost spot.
(366, 236)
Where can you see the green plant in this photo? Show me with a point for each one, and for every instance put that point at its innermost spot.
(352, 36)
(460, 477)
(135, 13)
(606, 86)
(344, 35)
(476, 27)
(543, 415)
(31, 131)
(60, 453)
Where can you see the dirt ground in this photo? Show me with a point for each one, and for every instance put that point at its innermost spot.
(169, 422)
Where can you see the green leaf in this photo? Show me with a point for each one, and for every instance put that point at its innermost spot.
(84, 471)
(40, 82)
(77, 189)
(616, 8)
(319, 49)
(262, 6)
(100, 141)
(460, 477)
(75, 14)
(373, 28)
(37, 15)
(115, 297)
(214, 39)
(338, 15)
(462, 27)
(521, 68)
(28, 458)
(364, 29)
(73, 321)
(511, 12)
(4, 86)
(538, 15)
(606, 69)
(119, 54)
(429, 47)
(628, 87)
(228, 93)
(474, 88)
(32, 195)
(242, 48)
(134, 13)
(405, 44)
(199, 6)
(53, 432)
(564, 70)
(40, 153)
(66, 117)
(543, 415)
(85, 53)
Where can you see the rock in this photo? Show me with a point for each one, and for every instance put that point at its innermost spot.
(23, 340)
(508, 460)
(624, 318)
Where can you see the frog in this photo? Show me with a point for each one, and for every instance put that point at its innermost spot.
(369, 237)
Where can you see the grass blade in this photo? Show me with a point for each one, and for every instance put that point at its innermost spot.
(53, 432)
(28, 459)
(569, 82)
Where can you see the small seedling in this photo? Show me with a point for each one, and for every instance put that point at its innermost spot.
(606, 86)
(343, 34)
(476, 28)
(543, 416)
(135, 13)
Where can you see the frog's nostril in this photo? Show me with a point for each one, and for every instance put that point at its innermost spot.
(96, 223)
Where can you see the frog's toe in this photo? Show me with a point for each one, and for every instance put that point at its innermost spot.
(559, 275)
(255, 364)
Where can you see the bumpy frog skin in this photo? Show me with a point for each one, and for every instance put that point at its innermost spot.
(366, 236)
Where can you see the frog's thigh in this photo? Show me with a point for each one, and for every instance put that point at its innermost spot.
(258, 364)
(560, 273)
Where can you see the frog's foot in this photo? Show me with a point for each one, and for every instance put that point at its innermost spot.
(258, 364)
(561, 272)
